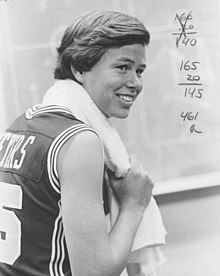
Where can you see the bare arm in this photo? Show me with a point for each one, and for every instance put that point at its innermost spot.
(92, 250)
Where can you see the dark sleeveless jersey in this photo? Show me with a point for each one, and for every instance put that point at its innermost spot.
(32, 242)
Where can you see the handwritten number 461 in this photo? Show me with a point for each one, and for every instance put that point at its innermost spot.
(189, 116)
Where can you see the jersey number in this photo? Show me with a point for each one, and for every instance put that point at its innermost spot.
(10, 225)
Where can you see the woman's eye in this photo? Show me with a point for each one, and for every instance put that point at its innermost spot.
(139, 72)
(123, 68)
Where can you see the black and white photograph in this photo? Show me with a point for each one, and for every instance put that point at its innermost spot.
(109, 138)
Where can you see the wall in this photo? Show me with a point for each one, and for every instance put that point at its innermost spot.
(192, 219)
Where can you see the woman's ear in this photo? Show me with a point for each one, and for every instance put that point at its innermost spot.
(78, 75)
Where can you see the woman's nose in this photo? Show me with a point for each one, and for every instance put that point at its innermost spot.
(135, 82)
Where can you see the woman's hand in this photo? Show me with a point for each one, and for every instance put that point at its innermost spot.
(133, 191)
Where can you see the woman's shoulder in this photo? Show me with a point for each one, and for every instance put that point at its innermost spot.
(83, 151)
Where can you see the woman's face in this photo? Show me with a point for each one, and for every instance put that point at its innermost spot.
(116, 80)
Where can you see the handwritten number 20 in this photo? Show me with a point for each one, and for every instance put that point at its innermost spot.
(10, 225)
(193, 78)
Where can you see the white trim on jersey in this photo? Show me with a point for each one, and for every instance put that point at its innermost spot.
(54, 150)
(39, 109)
(59, 141)
(58, 251)
(58, 241)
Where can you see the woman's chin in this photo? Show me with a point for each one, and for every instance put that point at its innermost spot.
(122, 114)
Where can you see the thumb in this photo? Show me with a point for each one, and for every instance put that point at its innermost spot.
(112, 176)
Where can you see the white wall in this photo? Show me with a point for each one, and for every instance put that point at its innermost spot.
(192, 220)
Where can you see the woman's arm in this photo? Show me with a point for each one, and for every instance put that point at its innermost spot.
(92, 251)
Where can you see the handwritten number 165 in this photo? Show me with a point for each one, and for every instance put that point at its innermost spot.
(187, 65)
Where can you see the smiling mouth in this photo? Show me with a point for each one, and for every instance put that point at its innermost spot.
(126, 98)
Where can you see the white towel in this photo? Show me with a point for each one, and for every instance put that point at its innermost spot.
(151, 233)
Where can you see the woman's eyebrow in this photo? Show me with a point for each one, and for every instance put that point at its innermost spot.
(126, 59)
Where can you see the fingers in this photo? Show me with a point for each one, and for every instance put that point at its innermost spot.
(138, 168)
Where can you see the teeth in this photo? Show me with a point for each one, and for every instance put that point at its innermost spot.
(126, 98)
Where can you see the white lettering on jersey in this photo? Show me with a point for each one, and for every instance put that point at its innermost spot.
(13, 146)
(14, 143)
(18, 163)
(5, 137)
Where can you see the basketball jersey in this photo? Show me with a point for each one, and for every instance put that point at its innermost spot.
(32, 241)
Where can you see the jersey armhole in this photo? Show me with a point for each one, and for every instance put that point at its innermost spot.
(54, 151)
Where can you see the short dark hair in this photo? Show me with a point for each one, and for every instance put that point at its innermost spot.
(91, 35)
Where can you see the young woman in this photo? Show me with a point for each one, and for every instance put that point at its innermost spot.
(53, 159)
